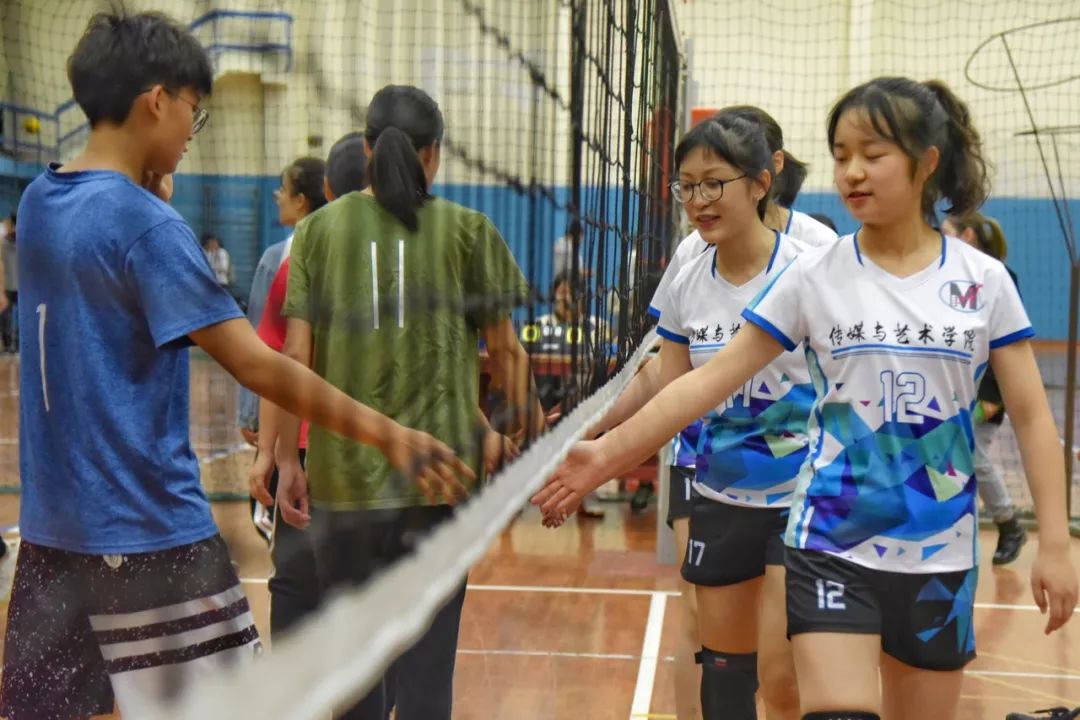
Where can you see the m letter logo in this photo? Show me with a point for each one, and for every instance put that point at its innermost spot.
(962, 295)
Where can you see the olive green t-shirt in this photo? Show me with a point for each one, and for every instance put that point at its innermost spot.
(395, 317)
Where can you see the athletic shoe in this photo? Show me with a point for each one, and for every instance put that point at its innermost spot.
(1058, 713)
(641, 497)
(1011, 537)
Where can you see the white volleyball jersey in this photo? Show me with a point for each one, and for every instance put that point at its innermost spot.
(895, 363)
(691, 246)
(808, 230)
(752, 445)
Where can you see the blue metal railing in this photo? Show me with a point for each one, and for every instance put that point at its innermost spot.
(14, 137)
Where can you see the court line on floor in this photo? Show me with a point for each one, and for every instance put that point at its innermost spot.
(1030, 691)
(630, 591)
(650, 651)
(1030, 663)
(668, 659)
(1030, 675)
(552, 654)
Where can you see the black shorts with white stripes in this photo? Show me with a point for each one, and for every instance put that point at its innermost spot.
(83, 629)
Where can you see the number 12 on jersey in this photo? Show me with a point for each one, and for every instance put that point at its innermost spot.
(900, 392)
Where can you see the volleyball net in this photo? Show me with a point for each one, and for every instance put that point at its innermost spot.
(561, 120)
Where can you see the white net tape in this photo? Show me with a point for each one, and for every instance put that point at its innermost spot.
(336, 656)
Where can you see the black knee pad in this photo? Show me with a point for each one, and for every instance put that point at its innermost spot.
(841, 715)
(728, 684)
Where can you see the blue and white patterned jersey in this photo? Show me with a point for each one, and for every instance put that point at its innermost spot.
(896, 363)
(751, 446)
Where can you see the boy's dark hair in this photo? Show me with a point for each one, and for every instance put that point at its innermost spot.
(346, 165)
(207, 237)
(735, 140)
(916, 116)
(401, 121)
(122, 55)
(306, 175)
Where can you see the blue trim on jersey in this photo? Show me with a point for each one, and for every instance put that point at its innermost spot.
(775, 250)
(840, 352)
(673, 337)
(708, 346)
(928, 353)
(790, 219)
(858, 253)
(654, 312)
(1009, 339)
(712, 265)
(768, 327)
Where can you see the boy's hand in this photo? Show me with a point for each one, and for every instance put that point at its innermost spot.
(251, 437)
(160, 185)
(431, 463)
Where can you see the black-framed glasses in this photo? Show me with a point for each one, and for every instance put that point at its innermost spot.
(710, 189)
(199, 116)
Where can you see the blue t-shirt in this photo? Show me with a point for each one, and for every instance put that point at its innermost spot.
(112, 280)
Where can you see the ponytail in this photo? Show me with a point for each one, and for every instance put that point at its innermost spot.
(402, 120)
(961, 177)
(988, 233)
(790, 180)
(397, 176)
(788, 183)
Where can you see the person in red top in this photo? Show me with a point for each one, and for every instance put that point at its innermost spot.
(294, 586)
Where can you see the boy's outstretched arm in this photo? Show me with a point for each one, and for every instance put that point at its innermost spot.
(297, 389)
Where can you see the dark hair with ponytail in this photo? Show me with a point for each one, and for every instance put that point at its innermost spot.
(401, 121)
(787, 184)
(306, 176)
(916, 116)
(988, 233)
(735, 140)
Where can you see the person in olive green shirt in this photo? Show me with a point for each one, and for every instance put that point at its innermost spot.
(389, 293)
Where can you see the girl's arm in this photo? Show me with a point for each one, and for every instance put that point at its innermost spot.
(683, 401)
(1053, 577)
(671, 363)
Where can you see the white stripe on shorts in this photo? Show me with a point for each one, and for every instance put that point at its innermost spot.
(167, 613)
(119, 650)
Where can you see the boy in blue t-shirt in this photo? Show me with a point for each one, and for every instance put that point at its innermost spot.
(123, 586)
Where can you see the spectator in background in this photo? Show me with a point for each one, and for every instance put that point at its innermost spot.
(302, 191)
(219, 259)
(985, 234)
(9, 331)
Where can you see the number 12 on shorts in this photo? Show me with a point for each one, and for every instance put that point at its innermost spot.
(830, 595)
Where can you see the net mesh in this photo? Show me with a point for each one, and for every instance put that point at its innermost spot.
(1014, 66)
(561, 121)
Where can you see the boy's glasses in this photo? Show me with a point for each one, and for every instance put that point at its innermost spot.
(199, 116)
